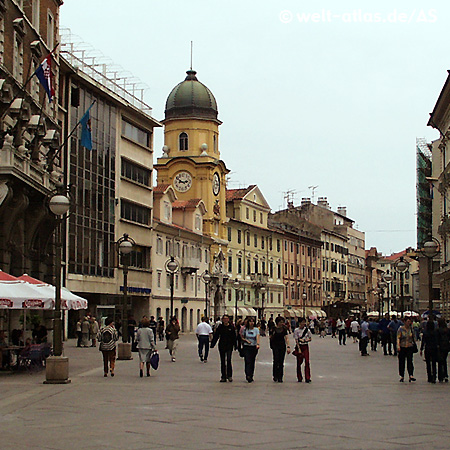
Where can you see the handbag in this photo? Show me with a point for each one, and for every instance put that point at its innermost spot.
(154, 360)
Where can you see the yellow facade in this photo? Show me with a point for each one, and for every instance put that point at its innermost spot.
(196, 172)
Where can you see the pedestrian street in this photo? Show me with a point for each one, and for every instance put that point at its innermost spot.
(352, 403)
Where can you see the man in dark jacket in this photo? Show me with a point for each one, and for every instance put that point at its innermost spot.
(226, 335)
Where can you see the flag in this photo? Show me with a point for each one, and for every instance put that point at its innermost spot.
(86, 132)
(45, 76)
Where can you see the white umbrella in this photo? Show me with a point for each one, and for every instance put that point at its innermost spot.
(21, 295)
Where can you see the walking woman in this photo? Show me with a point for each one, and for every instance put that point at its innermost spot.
(443, 341)
(145, 339)
(302, 337)
(405, 347)
(279, 343)
(429, 343)
(250, 346)
(225, 333)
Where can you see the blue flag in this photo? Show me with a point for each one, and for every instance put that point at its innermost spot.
(86, 132)
(45, 76)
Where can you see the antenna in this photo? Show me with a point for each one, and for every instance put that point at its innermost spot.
(192, 51)
(313, 191)
(289, 197)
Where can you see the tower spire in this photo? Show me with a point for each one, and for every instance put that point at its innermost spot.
(192, 51)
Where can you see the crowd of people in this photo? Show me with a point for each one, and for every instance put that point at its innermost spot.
(395, 337)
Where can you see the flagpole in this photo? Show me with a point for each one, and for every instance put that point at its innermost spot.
(16, 96)
(49, 163)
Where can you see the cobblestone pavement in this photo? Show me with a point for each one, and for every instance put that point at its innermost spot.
(352, 403)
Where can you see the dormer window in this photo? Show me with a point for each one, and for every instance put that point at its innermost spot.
(184, 141)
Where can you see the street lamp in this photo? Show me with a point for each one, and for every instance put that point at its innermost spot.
(431, 248)
(381, 287)
(263, 291)
(206, 278)
(236, 296)
(401, 266)
(125, 246)
(57, 368)
(387, 278)
(304, 296)
(172, 267)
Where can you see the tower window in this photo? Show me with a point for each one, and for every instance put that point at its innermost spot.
(215, 144)
(184, 141)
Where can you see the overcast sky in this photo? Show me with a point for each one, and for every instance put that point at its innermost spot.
(311, 93)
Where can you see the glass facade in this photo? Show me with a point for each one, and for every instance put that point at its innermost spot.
(92, 175)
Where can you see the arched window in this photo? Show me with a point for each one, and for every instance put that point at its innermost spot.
(183, 141)
(215, 144)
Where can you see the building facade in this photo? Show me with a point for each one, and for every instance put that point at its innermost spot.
(178, 234)
(111, 188)
(254, 256)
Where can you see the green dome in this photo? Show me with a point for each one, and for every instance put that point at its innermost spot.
(190, 98)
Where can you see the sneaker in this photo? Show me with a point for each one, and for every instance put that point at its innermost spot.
(201, 358)
(105, 375)
(173, 359)
(112, 374)
(223, 380)
(307, 381)
(230, 379)
(446, 380)
(205, 360)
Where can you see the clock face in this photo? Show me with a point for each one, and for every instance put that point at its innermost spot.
(182, 181)
(216, 184)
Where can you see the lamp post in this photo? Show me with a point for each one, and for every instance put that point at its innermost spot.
(304, 297)
(381, 286)
(263, 291)
(57, 367)
(172, 267)
(125, 246)
(401, 266)
(387, 278)
(206, 278)
(430, 249)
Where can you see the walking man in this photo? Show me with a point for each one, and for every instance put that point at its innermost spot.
(393, 327)
(340, 325)
(385, 335)
(354, 326)
(107, 338)
(225, 333)
(204, 334)
(373, 328)
(365, 334)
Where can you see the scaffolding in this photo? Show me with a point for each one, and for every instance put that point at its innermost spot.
(102, 69)
(424, 191)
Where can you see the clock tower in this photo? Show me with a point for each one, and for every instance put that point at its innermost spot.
(191, 159)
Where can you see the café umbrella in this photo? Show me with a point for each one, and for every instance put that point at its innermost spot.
(69, 300)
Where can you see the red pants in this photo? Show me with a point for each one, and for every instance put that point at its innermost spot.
(304, 356)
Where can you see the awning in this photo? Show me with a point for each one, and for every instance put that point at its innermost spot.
(298, 312)
(287, 313)
(251, 312)
(243, 312)
(310, 313)
(229, 311)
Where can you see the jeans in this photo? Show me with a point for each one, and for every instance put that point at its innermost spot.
(374, 340)
(278, 362)
(442, 365)
(203, 342)
(394, 341)
(431, 360)
(363, 345)
(405, 354)
(342, 337)
(225, 363)
(386, 343)
(304, 357)
(109, 356)
(250, 352)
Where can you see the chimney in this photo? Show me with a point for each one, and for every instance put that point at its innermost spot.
(342, 210)
(323, 202)
(305, 201)
(290, 205)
